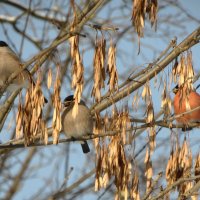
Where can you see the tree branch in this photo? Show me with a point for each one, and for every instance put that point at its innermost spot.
(187, 43)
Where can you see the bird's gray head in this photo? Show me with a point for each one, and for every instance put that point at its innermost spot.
(70, 100)
(3, 44)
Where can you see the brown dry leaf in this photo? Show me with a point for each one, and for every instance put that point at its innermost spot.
(112, 68)
(99, 68)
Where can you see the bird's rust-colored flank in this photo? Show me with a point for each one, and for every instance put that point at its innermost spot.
(180, 107)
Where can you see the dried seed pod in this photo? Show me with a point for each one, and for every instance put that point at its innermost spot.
(139, 11)
(77, 72)
(29, 118)
(148, 170)
(99, 68)
(56, 101)
(112, 68)
(49, 78)
(179, 166)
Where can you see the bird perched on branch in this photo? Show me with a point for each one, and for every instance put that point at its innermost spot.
(180, 101)
(10, 63)
(79, 125)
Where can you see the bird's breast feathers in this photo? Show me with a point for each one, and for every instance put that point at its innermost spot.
(79, 125)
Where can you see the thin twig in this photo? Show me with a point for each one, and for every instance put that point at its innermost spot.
(173, 186)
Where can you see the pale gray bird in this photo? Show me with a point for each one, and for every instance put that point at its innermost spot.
(79, 126)
(10, 63)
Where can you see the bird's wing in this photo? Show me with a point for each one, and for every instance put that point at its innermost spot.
(13, 56)
(194, 100)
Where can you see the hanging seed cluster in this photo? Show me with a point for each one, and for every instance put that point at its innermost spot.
(183, 73)
(148, 170)
(111, 160)
(99, 68)
(180, 166)
(77, 72)
(134, 193)
(29, 119)
(77, 64)
(197, 167)
(57, 106)
(141, 8)
(146, 95)
(166, 104)
(112, 68)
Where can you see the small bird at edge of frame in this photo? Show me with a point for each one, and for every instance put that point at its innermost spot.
(180, 107)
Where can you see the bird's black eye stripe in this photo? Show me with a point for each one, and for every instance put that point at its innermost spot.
(3, 44)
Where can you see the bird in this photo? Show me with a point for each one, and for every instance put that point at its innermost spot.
(10, 63)
(79, 125)
(180, 107)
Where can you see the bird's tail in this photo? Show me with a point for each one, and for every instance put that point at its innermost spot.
(85, 147)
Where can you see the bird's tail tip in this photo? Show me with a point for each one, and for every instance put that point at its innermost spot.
(85, 147)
